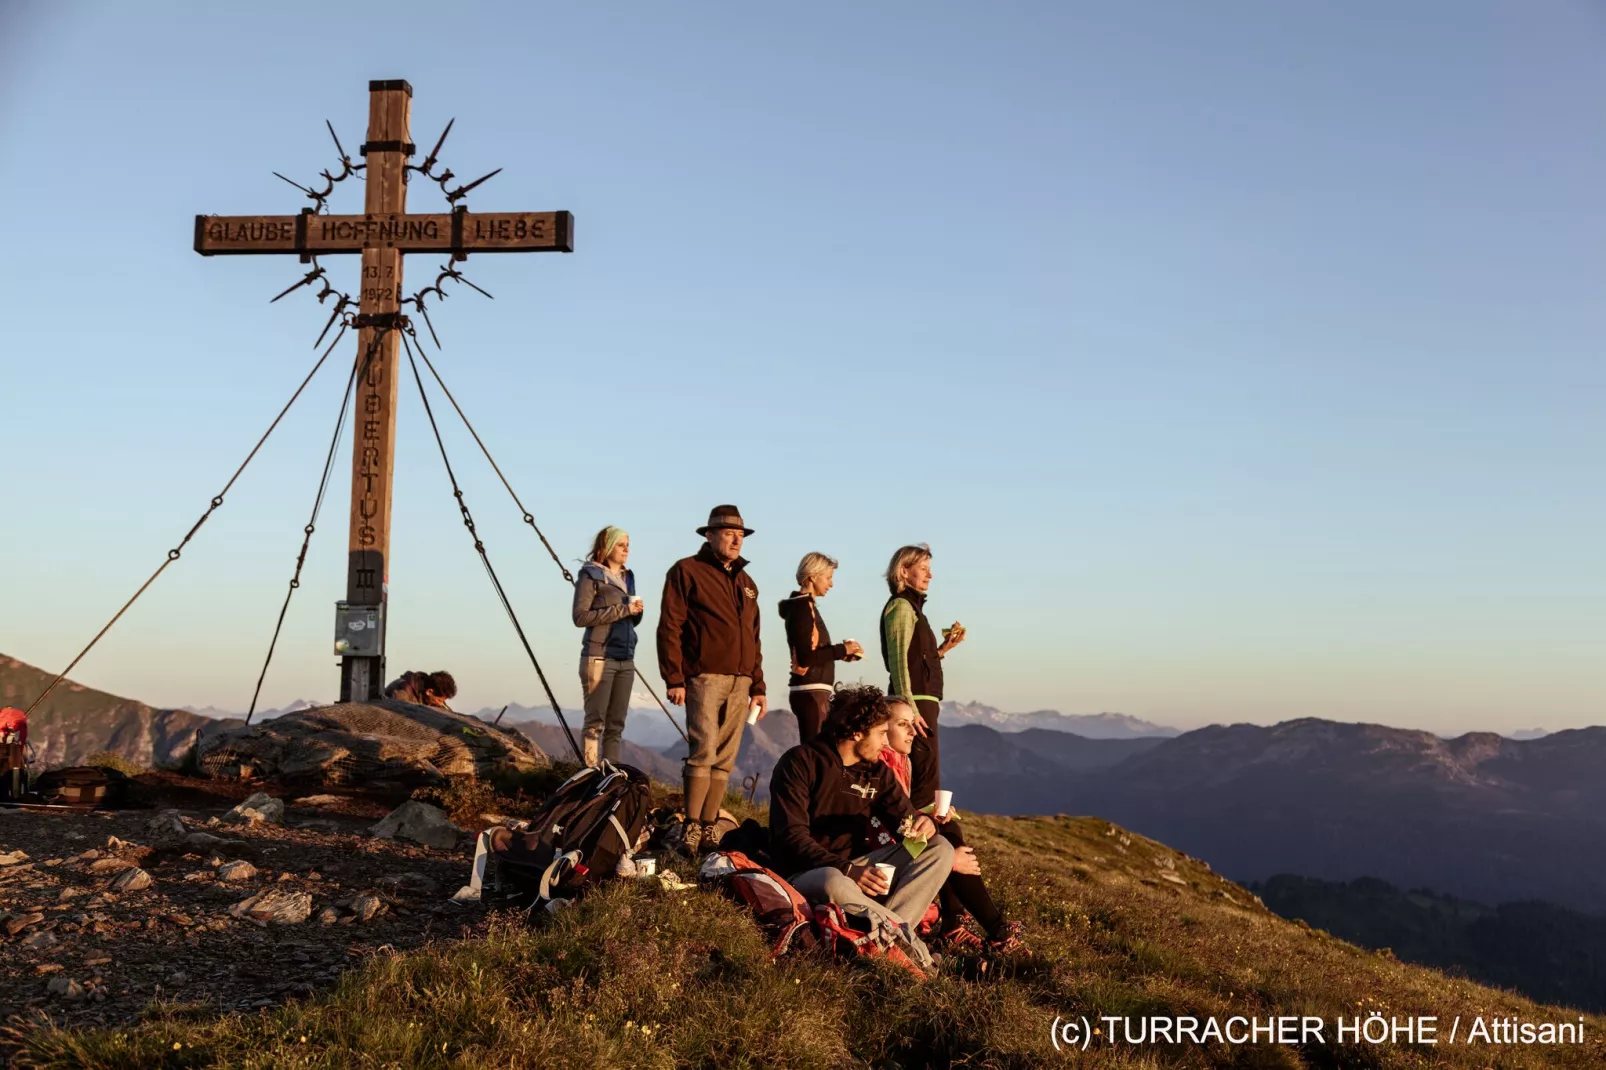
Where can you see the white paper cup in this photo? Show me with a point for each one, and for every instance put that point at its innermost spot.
(646, 867)
(945, 802)
(752, 714)
(887, 870)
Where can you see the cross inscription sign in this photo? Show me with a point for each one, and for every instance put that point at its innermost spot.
(382, 234)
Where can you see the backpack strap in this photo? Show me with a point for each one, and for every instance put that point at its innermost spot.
(551, 876)
(624, 836)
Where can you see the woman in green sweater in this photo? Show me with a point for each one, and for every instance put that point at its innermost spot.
(914, 660)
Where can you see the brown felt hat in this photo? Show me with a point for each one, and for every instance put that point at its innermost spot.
(724, 516)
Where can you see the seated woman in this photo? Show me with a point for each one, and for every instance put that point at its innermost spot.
(963, 891)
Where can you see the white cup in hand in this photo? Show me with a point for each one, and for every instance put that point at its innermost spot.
(945, 802)
(887, 871)
(752, 713)
(636, 604)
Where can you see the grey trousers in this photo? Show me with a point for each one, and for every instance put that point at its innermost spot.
(914, 886)
(606, 684)
(716, 712)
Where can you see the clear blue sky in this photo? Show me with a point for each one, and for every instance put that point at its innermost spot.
(1240, 361)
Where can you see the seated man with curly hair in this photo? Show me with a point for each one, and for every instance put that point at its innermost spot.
(822, 798)
(424, 689)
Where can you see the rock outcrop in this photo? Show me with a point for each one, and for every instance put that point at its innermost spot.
(381, 744)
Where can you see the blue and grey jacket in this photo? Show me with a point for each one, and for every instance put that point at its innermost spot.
(602, 608)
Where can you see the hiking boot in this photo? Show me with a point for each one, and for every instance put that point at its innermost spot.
(708, 839)
(691, 838)
(1010, 939)
(960, 940)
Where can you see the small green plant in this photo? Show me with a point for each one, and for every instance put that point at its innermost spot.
(111, 760)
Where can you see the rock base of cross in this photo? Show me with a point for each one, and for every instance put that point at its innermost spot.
(384, 746)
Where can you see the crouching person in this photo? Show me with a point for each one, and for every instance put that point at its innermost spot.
(822, 797)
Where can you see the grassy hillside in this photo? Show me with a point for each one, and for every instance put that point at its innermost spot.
(640, 976)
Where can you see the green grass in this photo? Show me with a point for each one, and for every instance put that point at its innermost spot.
(637, 976)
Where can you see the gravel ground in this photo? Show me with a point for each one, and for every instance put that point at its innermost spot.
(86, 939)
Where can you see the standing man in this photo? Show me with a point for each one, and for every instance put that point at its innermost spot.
(708, 653)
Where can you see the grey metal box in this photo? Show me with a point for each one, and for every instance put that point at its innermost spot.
(359, 630)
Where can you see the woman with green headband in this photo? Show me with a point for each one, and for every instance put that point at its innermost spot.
(606, 606)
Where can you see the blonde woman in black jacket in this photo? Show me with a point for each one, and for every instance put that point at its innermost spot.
(814, 656)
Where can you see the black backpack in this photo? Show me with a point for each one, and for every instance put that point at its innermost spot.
(595, 818)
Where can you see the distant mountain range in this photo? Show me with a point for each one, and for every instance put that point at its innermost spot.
(1086, 725)
(261, 715)
(1479, 816)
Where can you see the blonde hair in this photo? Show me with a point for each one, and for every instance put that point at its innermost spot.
(812, 564)
(604, 543)
(904, 558)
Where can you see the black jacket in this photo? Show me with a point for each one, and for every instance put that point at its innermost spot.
(820, 810)
(814, 656)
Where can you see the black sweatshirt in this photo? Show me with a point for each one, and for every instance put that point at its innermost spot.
(820, 809)
(814, 656)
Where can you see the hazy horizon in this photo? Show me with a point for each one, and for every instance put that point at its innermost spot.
(1239, 363)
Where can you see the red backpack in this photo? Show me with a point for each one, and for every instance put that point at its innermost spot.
(779, 909)
(857, 933)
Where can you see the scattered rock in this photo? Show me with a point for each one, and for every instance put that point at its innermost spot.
(236, 871)
(133, 880)
(98, 960)
(183, 921)
(366, 906)
(420, 823)
(48, 967)
(260, 807)
(204, 840)
(397, 883)
(18, 922)
(115, 844)
(170, 822)
(328, 915)
(12, 858)
(318, 800)
(276, 905)
(109, 865)
(179, 978)
(65, 988)
(321, 826)
(39, 941)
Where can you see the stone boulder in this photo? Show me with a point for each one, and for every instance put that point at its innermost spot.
(383, 745)
(259, 808)
(274, 907)
(419, 823)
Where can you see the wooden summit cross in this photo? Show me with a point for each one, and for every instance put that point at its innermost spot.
(382, 234)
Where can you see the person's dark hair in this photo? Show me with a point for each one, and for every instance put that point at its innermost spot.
(442, 684)
(854, 709)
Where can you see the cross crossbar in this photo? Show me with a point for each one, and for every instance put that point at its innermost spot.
(458, 232)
